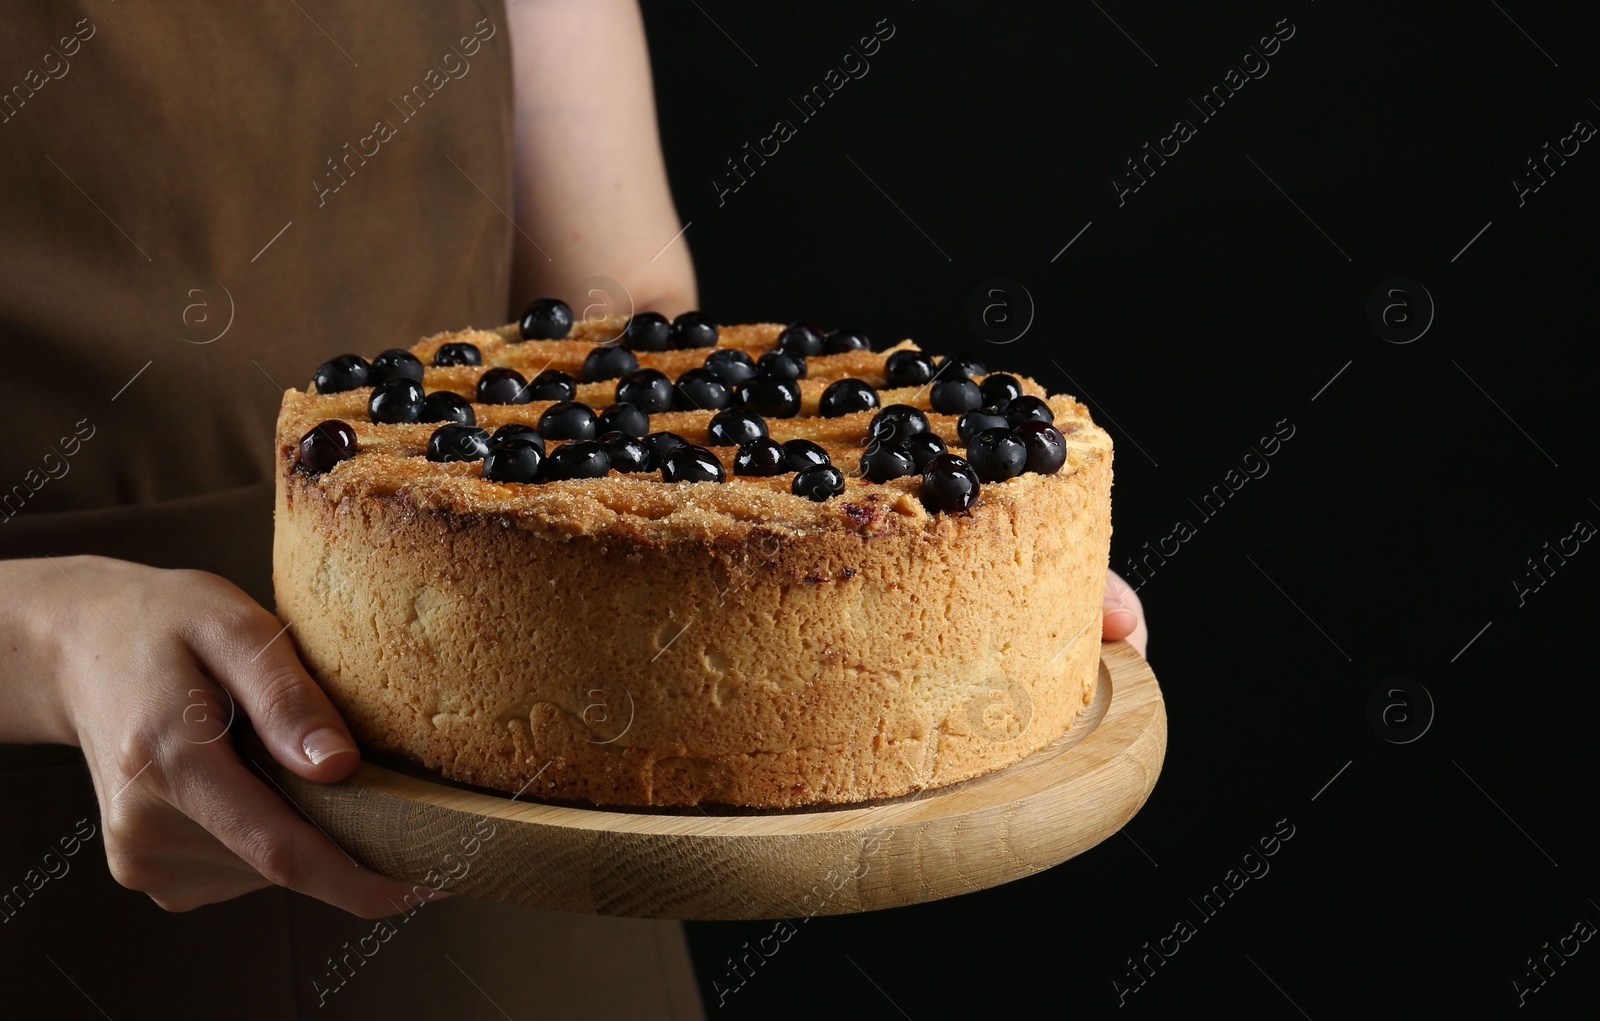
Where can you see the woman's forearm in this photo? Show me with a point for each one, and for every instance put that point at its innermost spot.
(589, 184)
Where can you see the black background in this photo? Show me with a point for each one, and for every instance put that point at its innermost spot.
(1192, 319)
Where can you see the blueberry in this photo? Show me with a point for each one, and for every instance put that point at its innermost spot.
(1029, 409)
(700, 390)
(608, 361)
(623, 417)
(908, 368)
(924, 447)
(694, 329)
(734, 427)
(346, 372)
(553, 385)
(803, 339)
(837, 342)
(503, 386)
(997, 455)
(819, 482)
(517, 459)
(803, 454)
(959, 366)
(458, 443)
(659, 444)
(846, 396)
(649, 390)
(883, 462)
(897, 423)
(519, 433)
(783, 364)
(953, 396)
(396, 400)
(647, 331)
(731, 365)
(1047, 448)
(760, 457)
(973, 422)
(1000, 389)
(771, 396)
(546, 319)
(625, 453)
(580, 459)
(445, 406)
(690, 463)
(949, 484)
(395, 363)
(457, 354)
(326, 445)
(567, 420)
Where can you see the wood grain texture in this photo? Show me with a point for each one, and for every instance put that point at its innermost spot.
(694, 864)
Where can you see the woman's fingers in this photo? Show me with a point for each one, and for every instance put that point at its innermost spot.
(1123, 613)
(194, 824)
(186, 821)
(251, 656)
(155, 849)
(245, 809)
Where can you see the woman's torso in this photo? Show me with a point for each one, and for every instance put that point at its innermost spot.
(200, 203)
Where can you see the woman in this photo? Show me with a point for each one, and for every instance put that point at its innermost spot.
(202, 202)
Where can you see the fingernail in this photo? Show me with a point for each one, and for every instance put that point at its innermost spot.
(1126, 617)
(324, 744)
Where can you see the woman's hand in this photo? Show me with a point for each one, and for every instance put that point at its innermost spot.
(146, 669)
(1124, 614)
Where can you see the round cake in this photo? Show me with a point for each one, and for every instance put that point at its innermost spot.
(645, 562)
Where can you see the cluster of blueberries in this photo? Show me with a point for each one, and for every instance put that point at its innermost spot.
(1006, 432)
(1004, 438)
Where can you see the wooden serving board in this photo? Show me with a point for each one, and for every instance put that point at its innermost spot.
(694, 864)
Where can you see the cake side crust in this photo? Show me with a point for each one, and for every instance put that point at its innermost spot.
(763, 666)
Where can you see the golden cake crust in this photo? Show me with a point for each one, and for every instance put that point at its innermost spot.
(636, 642)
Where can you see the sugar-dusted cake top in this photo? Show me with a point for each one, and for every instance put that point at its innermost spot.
(659, 429)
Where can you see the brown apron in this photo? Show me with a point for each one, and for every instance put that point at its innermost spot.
(200, 202)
